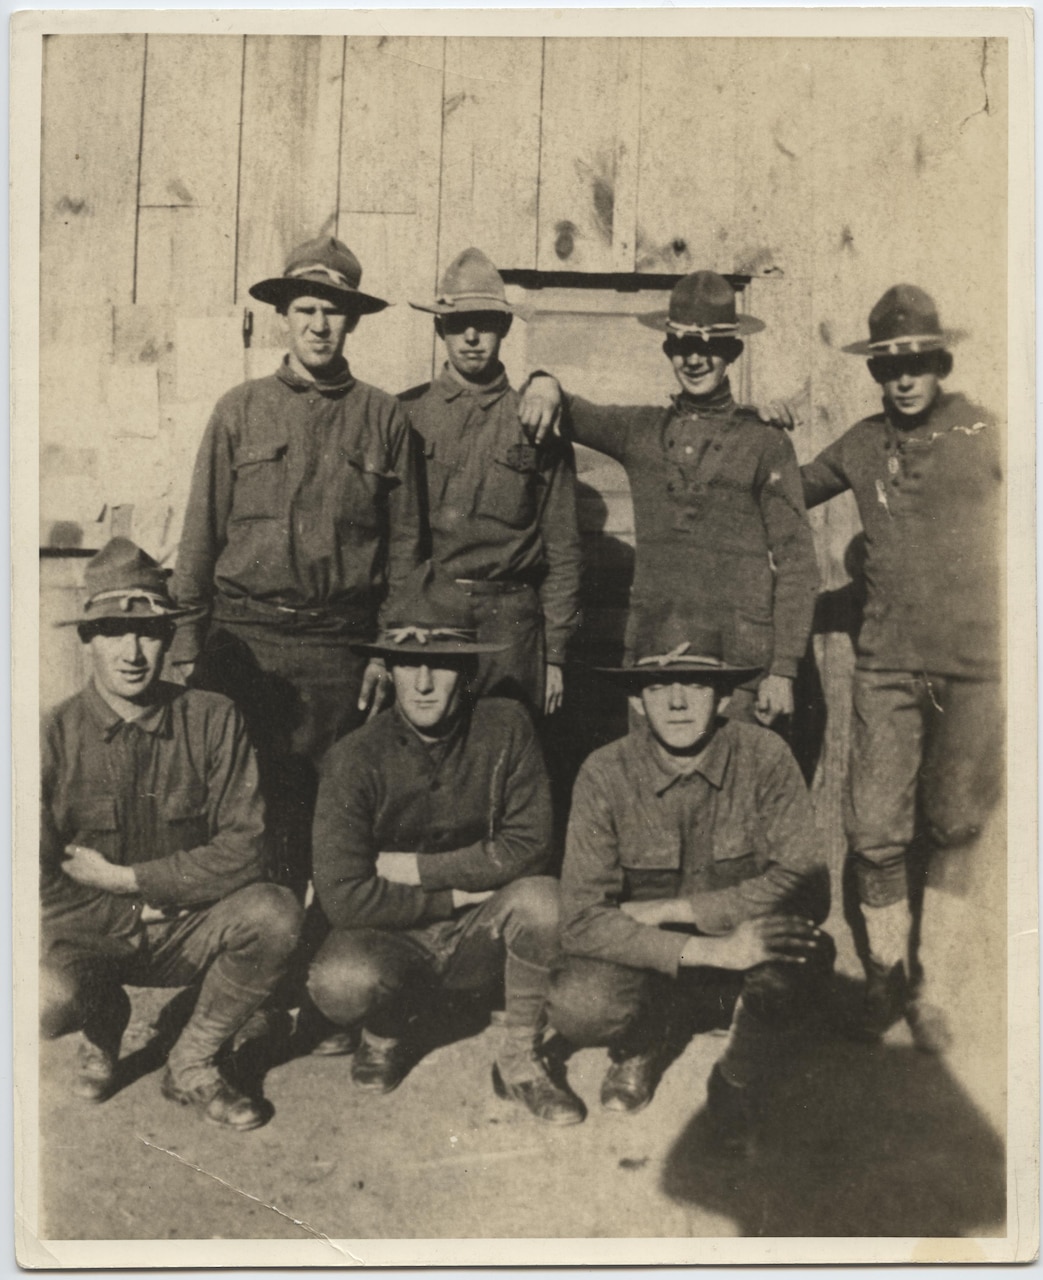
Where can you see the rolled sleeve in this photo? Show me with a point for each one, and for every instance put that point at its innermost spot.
(559, 530)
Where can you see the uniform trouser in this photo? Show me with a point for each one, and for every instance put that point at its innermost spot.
(513, 618)
(298, 694)
(383, 979)
(239, 948)
(926, 760)
(598, 1002)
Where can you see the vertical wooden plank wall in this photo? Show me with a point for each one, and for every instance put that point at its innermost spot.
(388, 207)
(161, 205)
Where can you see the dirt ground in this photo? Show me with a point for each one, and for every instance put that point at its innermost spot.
(858, 1141)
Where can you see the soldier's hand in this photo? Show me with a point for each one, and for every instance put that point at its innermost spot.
(89, 867)
(778, 413)
(553, 689)
(774, 699)
(464, 898)
(375, 693)
(540, 409)
(768, 938)
(400, 868)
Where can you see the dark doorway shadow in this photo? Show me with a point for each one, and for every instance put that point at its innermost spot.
(857, 1141)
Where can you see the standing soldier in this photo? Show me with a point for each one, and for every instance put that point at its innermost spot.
(502, 510)
(303, 508)
(926, 751)
(719, 519)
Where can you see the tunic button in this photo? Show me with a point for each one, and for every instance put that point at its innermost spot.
(669, 444)
(670, 488)
(435, 785)
(717, 447)
(688, 449)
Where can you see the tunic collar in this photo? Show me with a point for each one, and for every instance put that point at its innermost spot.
(715, 405)
(108, 720)
(451, 387)
(342, 381)
(661, 773)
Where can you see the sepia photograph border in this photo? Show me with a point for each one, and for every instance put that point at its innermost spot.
(1021, 1241)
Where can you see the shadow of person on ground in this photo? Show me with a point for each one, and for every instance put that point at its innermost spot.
(857, 1141)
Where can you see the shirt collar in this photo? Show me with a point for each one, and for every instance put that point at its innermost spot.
(452, 387)
(342, 381)
(711, 764)
(109, 721)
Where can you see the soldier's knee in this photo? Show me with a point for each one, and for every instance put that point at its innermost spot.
(61, 1006)
(274, 914)
(587, 1008)
(534, 904)
(347, 981)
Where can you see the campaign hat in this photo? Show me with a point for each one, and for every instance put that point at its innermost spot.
(429, 615)
(470, 284)
(122, 581)
(322, 268)
(671, 645)
(703, 304)
(904, 322)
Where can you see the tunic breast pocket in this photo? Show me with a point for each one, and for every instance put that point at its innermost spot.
(260, 481)
(185, 820)
(736, 852)
(508, 488)
(652, 867)
(94, 819)
(366, 486)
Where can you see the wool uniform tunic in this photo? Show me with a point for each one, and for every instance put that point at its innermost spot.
(474, 807)
(720, 525)
(173, 794)
(304, 502)
(736, 837)
(502, 517)
(930, 497)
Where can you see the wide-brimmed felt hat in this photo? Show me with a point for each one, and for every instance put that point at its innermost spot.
(429, 616)
(124, 582)
(668, 645)
(322, 268)
(904, 322)
(703, 305)
(470, 284)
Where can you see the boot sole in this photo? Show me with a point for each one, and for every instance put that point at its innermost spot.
(182, 1100)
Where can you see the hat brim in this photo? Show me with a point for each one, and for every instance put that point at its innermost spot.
(86, 619)
(433, 649)
(938, 342)
(695, 672)
(744, 324)
(466, 307)
(280, 291)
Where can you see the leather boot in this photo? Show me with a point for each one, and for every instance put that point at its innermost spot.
(883, 1004)
(522, 1074)
(99, 1050)
(381, 1063)
(631, 1080)
(193, 1078)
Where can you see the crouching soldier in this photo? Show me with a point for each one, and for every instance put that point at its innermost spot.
(431, 828)
(692, 872)
(152, 870)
